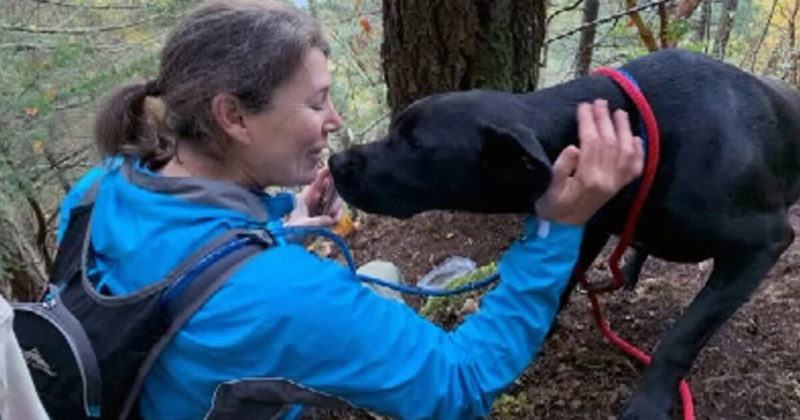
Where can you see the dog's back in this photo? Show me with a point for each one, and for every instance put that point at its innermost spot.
(730, 150)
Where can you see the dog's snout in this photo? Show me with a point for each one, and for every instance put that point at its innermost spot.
(347, 168)
(347, 164)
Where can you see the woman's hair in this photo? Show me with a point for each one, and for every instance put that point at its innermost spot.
(243, 47)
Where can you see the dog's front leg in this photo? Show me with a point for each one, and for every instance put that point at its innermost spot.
(593, 242)
(633, 267)
(736, 275)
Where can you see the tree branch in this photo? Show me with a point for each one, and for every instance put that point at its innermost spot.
(606, 19)
(24, 47)
(754, 55)
(644, 31)
(76, 31)
(567, 8)
(107, 6)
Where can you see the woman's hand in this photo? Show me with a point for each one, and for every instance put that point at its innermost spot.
(317, 204)
(585, 178)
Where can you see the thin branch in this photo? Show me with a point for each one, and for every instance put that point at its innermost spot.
(644, 30)
(353, 58)
(567, 8)
(107, 6)
(25, 47)
(76, 31)
(754, 55)
(606, 19)
(364, 132)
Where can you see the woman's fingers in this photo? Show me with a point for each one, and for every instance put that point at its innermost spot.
(588, 136)
(609, 143)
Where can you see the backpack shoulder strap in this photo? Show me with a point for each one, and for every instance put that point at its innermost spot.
(70, 252)
(194, 284)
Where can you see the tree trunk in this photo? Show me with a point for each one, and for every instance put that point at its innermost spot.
(586, 43)
(701, 26)
(792, 29)
(724, 27)
(437, 46)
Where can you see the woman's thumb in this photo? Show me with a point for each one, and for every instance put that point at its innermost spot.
(565, 164)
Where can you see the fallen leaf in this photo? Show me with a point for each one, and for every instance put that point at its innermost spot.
(38, 147)
(366, 27)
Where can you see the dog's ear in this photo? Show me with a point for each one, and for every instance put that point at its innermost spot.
(515, 156)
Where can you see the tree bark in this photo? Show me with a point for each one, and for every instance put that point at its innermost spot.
(437, 46)
(684, 9)
(586, 43)
(724, 27)
(663, 28)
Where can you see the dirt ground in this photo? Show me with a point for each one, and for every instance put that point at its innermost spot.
(749, 370)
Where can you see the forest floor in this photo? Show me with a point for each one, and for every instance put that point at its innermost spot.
(749, 370)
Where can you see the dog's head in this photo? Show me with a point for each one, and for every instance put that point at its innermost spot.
(467, 151)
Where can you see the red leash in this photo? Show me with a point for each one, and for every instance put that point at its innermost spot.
(628, 84)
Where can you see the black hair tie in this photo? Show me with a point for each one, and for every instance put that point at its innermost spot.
(151, 88)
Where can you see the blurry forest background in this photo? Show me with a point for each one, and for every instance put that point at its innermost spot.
(59, 57)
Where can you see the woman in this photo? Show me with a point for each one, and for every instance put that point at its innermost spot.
(241, 103)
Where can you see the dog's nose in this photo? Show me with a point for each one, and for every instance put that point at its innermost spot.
(347, 164)
(347, 168)
(336, 161)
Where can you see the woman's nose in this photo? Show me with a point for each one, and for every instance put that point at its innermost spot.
(333, 121)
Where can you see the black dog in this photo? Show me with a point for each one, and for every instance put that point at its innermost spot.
(730, 169)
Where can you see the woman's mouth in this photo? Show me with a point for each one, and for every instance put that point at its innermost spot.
(317, 154)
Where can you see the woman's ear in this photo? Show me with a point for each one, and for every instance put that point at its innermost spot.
(229, 114)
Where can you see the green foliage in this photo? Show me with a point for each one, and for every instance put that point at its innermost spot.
(355, 32)
(56, 60)
(439, 308)
(511, 407)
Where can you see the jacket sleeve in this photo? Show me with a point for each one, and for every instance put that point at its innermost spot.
(340, 338)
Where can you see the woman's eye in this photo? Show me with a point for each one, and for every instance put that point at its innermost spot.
(318, 107)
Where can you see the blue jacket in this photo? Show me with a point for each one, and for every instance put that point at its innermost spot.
(288, 320)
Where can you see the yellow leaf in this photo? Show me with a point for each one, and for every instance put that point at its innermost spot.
(38, 147)
(345, 226)
(31, 111)
(51, 93)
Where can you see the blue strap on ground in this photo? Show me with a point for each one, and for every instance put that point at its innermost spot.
(412, 290)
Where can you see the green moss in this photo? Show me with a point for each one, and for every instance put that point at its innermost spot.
(511, 407)
(438, 308)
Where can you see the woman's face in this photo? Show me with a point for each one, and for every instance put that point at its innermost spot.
(287, 139)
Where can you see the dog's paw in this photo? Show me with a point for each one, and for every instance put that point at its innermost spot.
(645, 407)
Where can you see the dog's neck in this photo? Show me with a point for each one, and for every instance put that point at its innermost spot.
(552, 111)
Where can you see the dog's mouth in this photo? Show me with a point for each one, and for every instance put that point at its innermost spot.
(371, 203)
